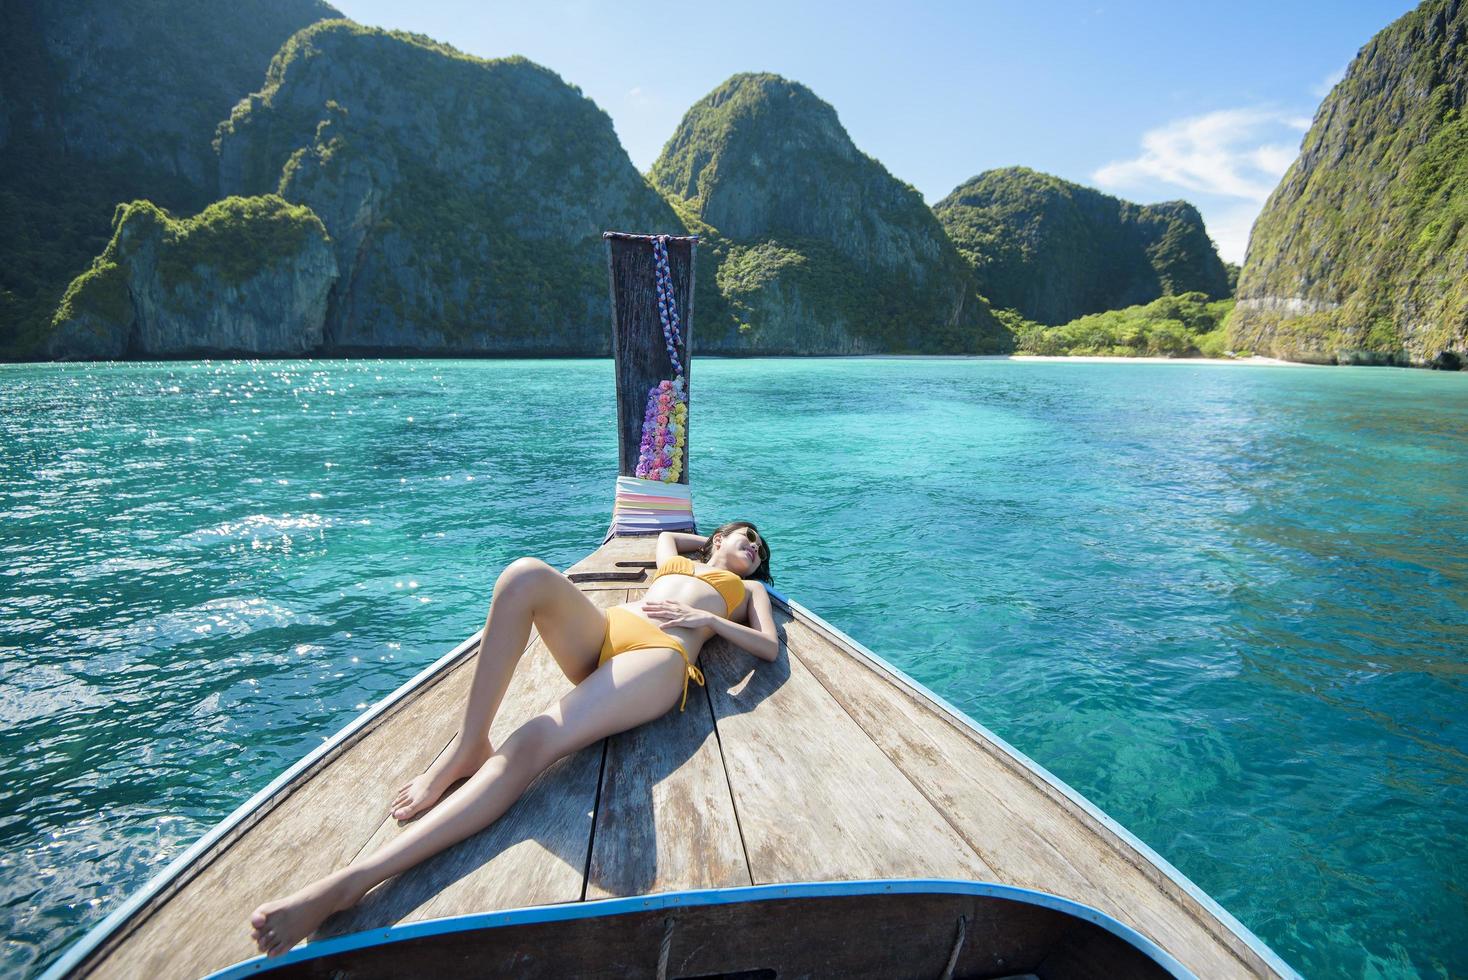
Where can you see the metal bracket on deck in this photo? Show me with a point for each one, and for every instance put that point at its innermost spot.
(636, 576)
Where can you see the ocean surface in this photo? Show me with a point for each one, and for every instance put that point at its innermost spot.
(1229, 604)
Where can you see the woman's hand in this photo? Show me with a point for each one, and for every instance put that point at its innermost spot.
(668, 612)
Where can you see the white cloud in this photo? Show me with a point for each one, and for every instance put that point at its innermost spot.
(1322, 88)
(1232, 159)
(1220, 153)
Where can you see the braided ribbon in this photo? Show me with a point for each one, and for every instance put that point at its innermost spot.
(665, 424)
(667, 306)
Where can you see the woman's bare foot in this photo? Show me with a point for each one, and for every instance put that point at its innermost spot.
(423, 791)
(279, 925)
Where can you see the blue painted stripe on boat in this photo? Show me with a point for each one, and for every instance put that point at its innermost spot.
(99, 933)
(570, 911)
(1181, 880)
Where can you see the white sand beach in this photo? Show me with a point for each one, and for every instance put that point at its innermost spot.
(1256, 360)
(1160, 360)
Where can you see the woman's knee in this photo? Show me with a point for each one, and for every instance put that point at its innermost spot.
(534, 744)
(523, 576)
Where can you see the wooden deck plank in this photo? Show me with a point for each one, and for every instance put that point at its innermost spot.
(1028, 837)
(816, 798)
(665, 816)
(535, 854)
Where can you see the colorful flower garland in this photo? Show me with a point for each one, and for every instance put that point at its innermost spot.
(665, 425)
(664, 433)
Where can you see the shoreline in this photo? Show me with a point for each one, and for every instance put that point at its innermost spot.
(1101, 358)
(1258, 361)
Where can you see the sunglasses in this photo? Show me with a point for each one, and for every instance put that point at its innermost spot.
(755, 540)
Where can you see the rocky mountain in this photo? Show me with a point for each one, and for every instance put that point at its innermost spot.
(1361, 253)
(1055, 251)
(465, 198)
(108, 102)
(811, 246)
(246, 276)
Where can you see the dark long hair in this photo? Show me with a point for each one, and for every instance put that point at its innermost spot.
(763, 571)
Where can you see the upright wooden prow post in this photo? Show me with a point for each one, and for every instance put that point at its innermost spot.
(642, 329)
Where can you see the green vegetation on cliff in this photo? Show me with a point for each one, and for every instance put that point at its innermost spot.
(101, 291)
(1360, 252)
(232, 240)
(1186, 325)
(815, 247)
(1054, 250)
(1233, 276)
(241, 275)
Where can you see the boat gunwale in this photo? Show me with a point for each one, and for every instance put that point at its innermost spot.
(945, 708)
(598, 908)
(258, 806)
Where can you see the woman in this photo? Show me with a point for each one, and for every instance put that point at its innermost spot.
(630, 664)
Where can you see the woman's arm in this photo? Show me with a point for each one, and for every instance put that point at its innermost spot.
(759, 638)
(673, 543)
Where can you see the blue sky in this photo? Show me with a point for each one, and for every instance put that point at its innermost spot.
(1149, 101)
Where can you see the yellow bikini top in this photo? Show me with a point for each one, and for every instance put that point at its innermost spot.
(730, 586)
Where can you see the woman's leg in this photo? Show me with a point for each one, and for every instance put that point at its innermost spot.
(572, 626)
(626, 691)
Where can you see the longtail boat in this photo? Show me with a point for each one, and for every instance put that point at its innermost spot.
(822, 815)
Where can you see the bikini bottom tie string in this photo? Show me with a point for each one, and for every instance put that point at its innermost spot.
(695, 674)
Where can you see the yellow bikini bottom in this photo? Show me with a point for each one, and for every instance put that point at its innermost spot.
(626, 630)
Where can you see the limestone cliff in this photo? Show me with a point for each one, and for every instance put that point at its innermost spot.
(102, 102)
(813, 246)
(1055, 251)
(1361, 253)
(465, 198)
(245, 276)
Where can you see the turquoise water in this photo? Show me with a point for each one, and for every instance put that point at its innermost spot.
(1228, 604)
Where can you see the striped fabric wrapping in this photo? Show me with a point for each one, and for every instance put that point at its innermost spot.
(643, 506)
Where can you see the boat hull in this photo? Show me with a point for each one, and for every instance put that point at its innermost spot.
(876, 928)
